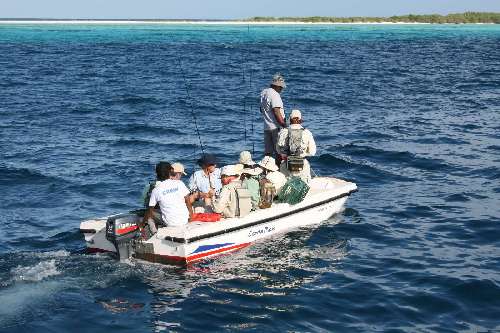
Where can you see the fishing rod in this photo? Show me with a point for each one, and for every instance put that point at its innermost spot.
(250, 86)
(190, 105)
(244, 62)
(247, 76)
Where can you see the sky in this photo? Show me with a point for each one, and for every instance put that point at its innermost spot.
(232, 9)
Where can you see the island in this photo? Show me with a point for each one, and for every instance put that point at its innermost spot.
(468, 17)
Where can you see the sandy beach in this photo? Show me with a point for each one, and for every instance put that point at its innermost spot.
(176, 22)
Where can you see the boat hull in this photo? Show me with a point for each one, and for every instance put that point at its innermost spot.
(167, 251)
(200, 240)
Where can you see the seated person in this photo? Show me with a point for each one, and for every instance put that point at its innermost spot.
(177, 171)
(173, 198)
(250, 181)
(205, 183)
(271, 173)
(227, 202)
(246, 160)
(146, 193)
(298, 142)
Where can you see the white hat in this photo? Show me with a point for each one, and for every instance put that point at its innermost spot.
(178, 167)
(252, 171)
(295, 114)
(278, 179)
(231, 170)
(278, 80)
(268, 163)
(246, 158)
(239, 168)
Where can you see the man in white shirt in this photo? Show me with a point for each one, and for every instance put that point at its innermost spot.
(296, 141)
(173, 198)
(205, 183)
(271, 107)
(146, 193)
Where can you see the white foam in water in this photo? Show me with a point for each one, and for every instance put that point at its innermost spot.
(38, 272)
(53, 254)
(19, 297)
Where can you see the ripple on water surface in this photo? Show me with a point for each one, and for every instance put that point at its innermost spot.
(410, 113)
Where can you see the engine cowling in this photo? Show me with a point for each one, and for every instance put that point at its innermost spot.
(121, 230)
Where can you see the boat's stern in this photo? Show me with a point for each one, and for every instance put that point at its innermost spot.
(94, 232)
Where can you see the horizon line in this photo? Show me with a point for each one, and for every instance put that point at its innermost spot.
(249, 19)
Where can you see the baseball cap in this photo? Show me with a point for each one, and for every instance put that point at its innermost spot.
(295, 114)
(178, 167)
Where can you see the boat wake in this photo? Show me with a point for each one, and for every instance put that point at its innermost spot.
(38, 272)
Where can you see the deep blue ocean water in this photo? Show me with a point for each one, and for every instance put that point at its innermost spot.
(410, 113)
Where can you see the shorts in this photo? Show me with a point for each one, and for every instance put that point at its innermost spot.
(270, 140)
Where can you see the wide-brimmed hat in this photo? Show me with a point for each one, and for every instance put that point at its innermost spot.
(252, 171)
(278, 80)
(239, 167)
(207, 159)
(268, 163)
(178, 167)
(230, 170)
(246, 158)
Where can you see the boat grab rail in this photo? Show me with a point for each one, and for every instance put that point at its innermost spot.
(251, 224)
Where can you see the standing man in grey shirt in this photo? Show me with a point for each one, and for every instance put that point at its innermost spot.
(271, 107)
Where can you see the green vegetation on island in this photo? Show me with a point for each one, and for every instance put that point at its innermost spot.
(468, 17)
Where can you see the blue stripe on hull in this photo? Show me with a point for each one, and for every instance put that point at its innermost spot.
(204, 248)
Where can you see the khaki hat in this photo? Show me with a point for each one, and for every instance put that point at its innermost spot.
(178, 167)
(231, 170)
(246, 158)
(252, 171)
(268, 163)
(295, 114)
(239, 168)
(278, 80)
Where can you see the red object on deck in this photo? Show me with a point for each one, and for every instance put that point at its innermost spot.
(206, 217)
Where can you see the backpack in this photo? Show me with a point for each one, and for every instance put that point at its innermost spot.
(147, 195)
(293, 144)
(294, 162)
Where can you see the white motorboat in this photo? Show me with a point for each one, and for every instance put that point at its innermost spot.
(196, 241)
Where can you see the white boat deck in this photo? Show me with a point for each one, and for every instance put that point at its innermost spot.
(321, 189)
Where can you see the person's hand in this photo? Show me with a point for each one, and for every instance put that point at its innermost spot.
(211, 193)
(195, 196)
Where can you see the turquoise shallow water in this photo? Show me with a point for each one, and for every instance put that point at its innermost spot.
(411, 113)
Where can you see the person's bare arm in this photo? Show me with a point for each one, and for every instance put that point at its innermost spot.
(147, 215)
(279, 117)
(189, 205)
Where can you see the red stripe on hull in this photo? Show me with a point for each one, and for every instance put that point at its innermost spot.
(176, 260)
(200, 256)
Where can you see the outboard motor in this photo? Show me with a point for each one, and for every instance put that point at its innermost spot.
(121, 230)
